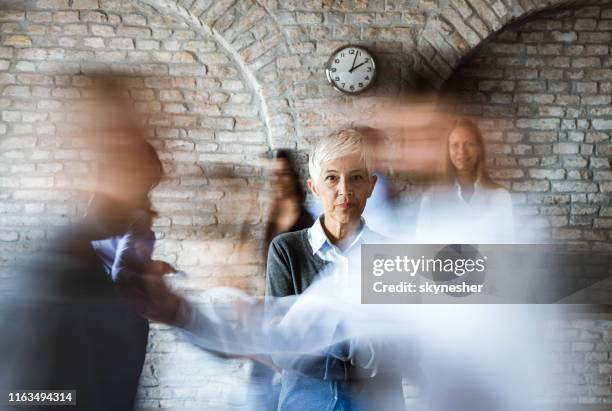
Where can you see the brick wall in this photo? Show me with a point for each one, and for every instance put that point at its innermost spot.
(221, 82)
(579, 354)
(543, 87)
(201, 113)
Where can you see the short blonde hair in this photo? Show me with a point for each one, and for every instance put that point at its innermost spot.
(335, 145)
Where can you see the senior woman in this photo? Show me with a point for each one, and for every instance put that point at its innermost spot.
(341, 178)
(341, 378)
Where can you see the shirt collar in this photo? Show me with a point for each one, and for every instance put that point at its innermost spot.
(318, 239)
(477, 188)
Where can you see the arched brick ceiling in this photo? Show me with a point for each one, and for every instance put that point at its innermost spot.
(463, 25)
(249, 31)
(251, 35)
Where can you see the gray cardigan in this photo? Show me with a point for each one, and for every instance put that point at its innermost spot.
(307, 384)
(292, 266)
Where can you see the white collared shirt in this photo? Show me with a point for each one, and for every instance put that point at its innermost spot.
(323, 248)
(446, 217)
(479, 197)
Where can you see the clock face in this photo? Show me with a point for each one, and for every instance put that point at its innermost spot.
(351, 69)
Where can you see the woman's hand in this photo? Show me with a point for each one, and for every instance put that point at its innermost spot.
(160, 268)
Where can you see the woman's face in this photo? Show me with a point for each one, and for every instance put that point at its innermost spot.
(282, 178)
(344, 186)
(463, 150)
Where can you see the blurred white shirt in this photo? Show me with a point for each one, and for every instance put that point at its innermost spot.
(445, 217)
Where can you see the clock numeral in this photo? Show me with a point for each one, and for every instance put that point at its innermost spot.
(337, 61)
(352, 87)
(359, 53)
(360, 84)
(351, 51)
(337, 78)
(342, 54)
(343, 84)
(366, 60)
(333, 69)
(369, 69)
(367, 78)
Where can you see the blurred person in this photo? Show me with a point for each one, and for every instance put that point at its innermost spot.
(127, 241)
(382, 209)
(287, 214)
(408, 134)
(466, 205)
(129, 252)
(489, 366)
(341, 178)
(69, 326)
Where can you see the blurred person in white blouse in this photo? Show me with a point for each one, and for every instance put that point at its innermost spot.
(466, 206)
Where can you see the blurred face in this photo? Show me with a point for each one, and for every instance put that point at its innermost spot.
(116, 198)
(281, 178)
(111, 217)
(343, 187)
(463, 150)
(128, 181)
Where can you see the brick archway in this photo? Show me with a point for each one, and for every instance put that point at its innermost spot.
(250, 34)
(463, 25)
(540, 89)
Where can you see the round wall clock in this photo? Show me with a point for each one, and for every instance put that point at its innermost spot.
(351, 69)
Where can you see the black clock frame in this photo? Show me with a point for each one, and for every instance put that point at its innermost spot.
(328, 70)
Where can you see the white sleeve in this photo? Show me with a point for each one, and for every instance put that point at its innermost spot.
(502, 205)
(424, 217)
(235, 329)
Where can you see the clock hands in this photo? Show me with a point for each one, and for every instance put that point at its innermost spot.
(344, 78)
(353, 65)
(357, 66)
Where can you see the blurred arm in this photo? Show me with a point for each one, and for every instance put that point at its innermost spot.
(331, 364)
(134, 250)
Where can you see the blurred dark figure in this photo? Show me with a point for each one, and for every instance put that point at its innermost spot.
(383, 208)
(127, 255)
(68, 326)
(287, 214)
(287, 211)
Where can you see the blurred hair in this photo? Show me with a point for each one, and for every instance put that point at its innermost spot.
(449, 172)
(153, 171)
(373, 136)
(288, 157)
(137, 165)
(338, 144)
(126, 158)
